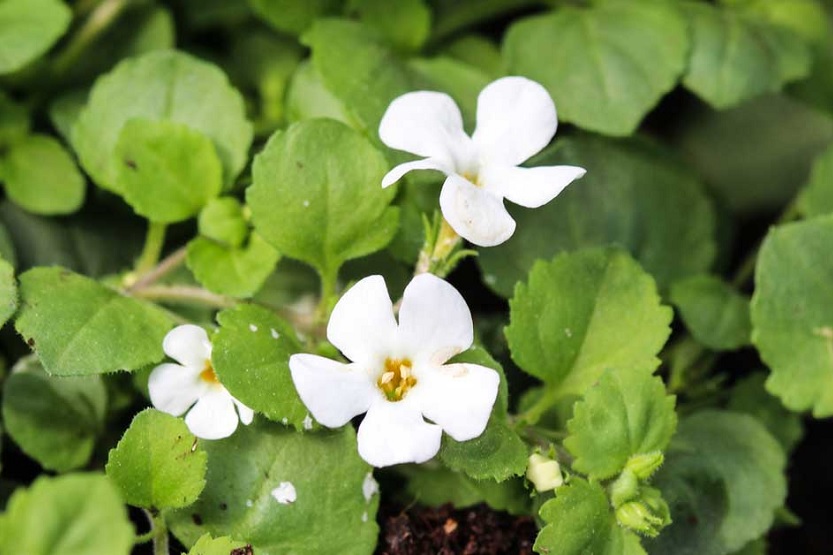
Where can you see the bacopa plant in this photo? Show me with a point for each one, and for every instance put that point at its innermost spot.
(267, 265)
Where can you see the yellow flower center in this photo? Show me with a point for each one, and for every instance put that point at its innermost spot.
(472, 178)
(396, 379)
(208, 375)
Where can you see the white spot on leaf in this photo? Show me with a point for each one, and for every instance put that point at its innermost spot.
(568, 332)
(275, 334)
(306, 204)
(252, 327)
(364, 516)
(285, 493)
(284, 421)
(249, 502)
(308, 422)
(370, 487)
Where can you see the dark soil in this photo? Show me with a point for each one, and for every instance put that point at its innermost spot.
(444, 530)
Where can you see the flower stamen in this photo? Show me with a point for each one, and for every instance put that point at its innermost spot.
(208, 374)
(397, 379)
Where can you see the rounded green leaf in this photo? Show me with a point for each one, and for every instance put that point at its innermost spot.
(77, 514)
(792, 314)
(750, 397)
(317, 195)
(41, 176)
(251, 357)
(28, 28)
(158, 463)
(583, 313)
(238, 272)
(56, 421)
(222, 220)
(632, 197)
(166, 171)
(715, 314)
(207, 545)
(817, 197)
(736, 56)
(723, 478)
(164, 85)
(404, 23)
(624, 414)
(606, 66)
(290, 16)
(78, 326)
(334, 511)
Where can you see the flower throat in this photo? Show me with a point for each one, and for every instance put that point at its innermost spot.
(397, 379)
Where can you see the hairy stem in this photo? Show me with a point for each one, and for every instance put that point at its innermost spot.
(166, 266)
(184, 294)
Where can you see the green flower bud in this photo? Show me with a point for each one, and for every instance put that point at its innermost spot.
(638, 517)
(544, 473)
(625, 488)
(644, 465)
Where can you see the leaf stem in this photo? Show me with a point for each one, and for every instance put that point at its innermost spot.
(328, 288)
(158, 533)
(154, 241)
(184, 294)
(166, 266)
(100, 19)
(533, 414)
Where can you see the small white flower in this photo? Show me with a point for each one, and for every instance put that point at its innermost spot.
(398, 373)
(174, 388)
(515, 119)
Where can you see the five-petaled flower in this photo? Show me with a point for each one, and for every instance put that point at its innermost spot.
(174, 388)
(515, 119)
(397, 372)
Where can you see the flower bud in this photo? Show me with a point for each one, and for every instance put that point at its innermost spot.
(624, 488)
(645, 464)
(543, 472)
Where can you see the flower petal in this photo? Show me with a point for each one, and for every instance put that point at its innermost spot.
(395, 433)
(515, 119)
(213, 417)
(246, 414)
(333, 392)
(174, 388)
(474, 213)
(188, 344)
(459, 397)
(428, 124)
(434, 320)
(362, 325)
(530, 187)
(426, 164)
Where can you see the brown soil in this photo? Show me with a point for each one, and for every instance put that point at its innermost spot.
(444, 530)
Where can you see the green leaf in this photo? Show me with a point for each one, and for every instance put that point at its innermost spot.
(724, 479)
(290, 16)
(77, 514)
(222, 220)
(460, 80)
(404, 23)
(166, 171)
(41, 176)
(8, 291)
(497, 454)
(56, 421)
(477, 51)
(631, 197)
(28, 28)
(14, 121)
(164, 85)
(158, 463)
(606, 66)
(80, 327)
(207, 545)
(817, 197)
(736, 56)
(715, 314)
(750, 397)
(583, 313)
(623, 415)
(330, 515)
(308, 98)
(324, 179)
(438, 486)
(792, 314)
(579, 522)
(238, 272)
(251, 357)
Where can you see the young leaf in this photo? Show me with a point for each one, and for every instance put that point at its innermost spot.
(166, 171)
(632, 198)
(161, 86)
(324, 181)
(56, 421)
(251, 476)
(579, 521)
(289, 16)
(724, 478)
(792, 314)
(77, 326)
(583, 313)
(606, 66)
(41, 176)
(251, 357)
(736, 56)
(8, 290)
(28, 28)
(623, 415)
(77, 514)
(238, 272)
(222, 220)
(497, 454)
(207, 545)
(715, 314)
(158, 463)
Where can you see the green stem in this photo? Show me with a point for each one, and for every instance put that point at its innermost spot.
(100, 19)
(158, 533)
(328, 288)
(154, 240)
(184, 294)
(166, 266)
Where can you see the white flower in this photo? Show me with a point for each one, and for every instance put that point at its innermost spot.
(397, 374)
(174, 388)
(515, 120)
